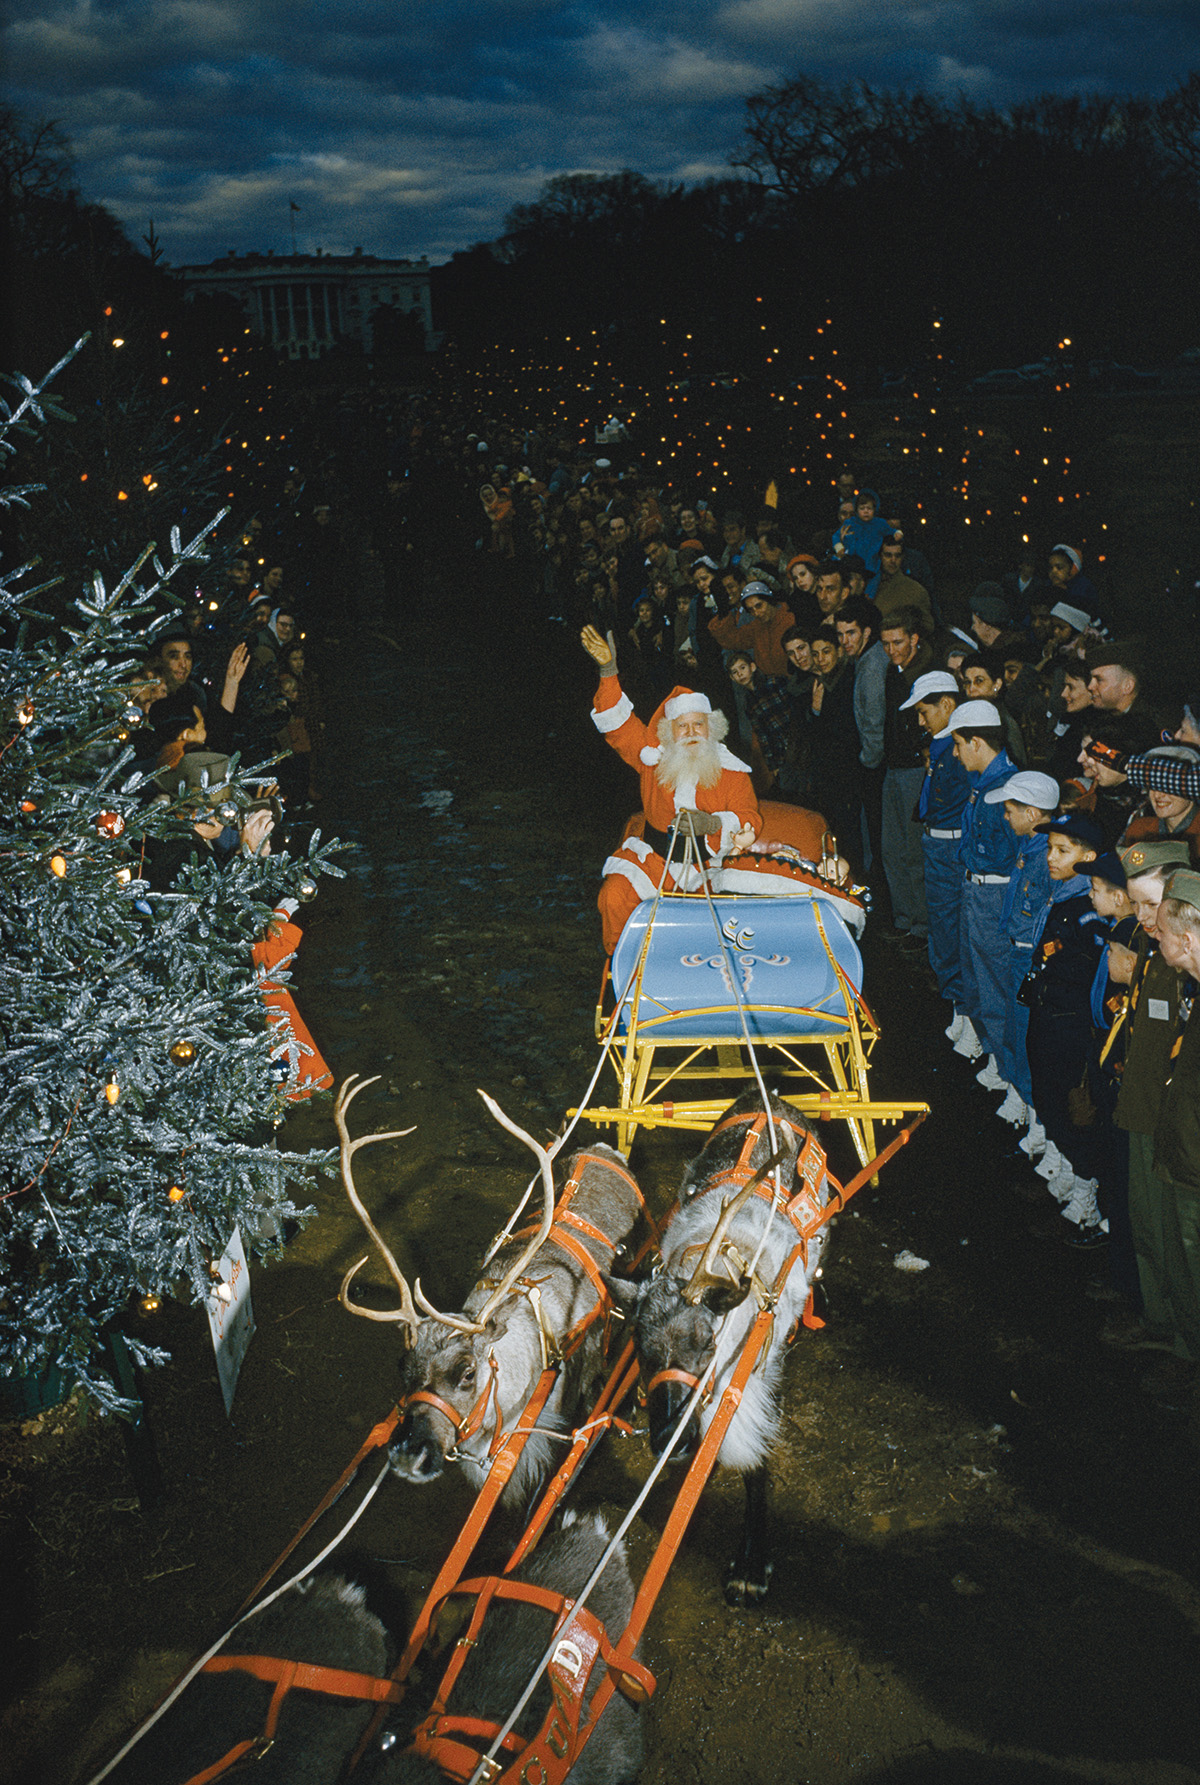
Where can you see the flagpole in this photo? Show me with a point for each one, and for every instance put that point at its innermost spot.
(293, 209)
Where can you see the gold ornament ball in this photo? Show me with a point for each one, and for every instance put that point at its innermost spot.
(149, 1304)
(109, 824)
(306, 891)
(182, 1052)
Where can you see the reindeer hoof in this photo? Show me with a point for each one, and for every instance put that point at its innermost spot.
(745, 1588)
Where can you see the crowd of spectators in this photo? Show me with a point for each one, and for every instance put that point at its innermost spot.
(1020, 789)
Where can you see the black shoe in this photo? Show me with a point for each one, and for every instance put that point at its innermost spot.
(1085, 1239)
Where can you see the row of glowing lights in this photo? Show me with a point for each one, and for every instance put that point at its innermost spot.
(150, 483)
(727, 427)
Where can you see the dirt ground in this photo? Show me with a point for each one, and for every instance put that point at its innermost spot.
(987, 1535)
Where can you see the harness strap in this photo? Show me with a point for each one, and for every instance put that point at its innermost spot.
(337, 1682)
(684, 1376)
(550, 1755)
(226, 1764)
(286, 1676)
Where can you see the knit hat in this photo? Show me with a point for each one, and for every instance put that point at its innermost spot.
(1029, 788)
(989, 605)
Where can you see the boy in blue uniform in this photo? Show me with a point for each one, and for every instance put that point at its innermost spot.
(1029, 799)
(1068, 940)
(987, 852)
(940, 806)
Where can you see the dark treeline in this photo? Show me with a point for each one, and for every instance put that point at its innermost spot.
(161, 398)
(1061, 217)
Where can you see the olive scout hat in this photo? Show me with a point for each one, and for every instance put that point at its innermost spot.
(1184, 885)
(1155, 852)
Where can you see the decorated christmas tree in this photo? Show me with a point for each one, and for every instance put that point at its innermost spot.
(142, 1084)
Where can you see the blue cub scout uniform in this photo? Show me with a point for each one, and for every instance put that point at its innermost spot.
(988, 844)
(1028, 891)
(946, 789)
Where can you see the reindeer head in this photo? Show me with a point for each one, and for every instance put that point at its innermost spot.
(677, 1320)
(675, 1342)
(449, 1368)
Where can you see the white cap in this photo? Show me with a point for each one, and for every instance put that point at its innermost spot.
(934, 681)
(687, 703)
(1029, 788)
(974, 714)
(1074, 616)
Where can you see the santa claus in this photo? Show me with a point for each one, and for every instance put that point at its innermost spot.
(686, 772)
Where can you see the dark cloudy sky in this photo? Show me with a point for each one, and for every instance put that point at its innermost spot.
(412, 126)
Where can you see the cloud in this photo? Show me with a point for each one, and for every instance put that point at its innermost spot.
(415, 125)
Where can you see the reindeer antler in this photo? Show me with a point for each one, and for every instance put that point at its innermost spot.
(537, 1240)
(405, 1313)
(705, 1276)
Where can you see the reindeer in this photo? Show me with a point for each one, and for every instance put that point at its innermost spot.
(322, 1622)
(467, 1376)
(721, 1257)
(510, 1645)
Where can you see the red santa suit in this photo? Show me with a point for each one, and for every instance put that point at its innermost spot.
(635, 870)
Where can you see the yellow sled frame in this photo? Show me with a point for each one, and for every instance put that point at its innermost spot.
(823, 1076)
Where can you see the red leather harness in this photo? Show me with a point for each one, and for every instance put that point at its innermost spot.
(547, 1758)
(289, 1676)
(805, 1210)
(565, 1219)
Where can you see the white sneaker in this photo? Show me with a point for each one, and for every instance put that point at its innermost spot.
(1014, 1108)
(1033, 1144)
(1080, 1206)
(1050, 1162)
(968, 1043)
(991, 1077)
(956, 1027)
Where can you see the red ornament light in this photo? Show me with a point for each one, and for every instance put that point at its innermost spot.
(109, 824)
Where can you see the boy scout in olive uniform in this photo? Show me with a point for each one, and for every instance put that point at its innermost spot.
(1150, 1025)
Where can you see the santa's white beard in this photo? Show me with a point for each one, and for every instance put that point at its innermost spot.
(689, 765)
